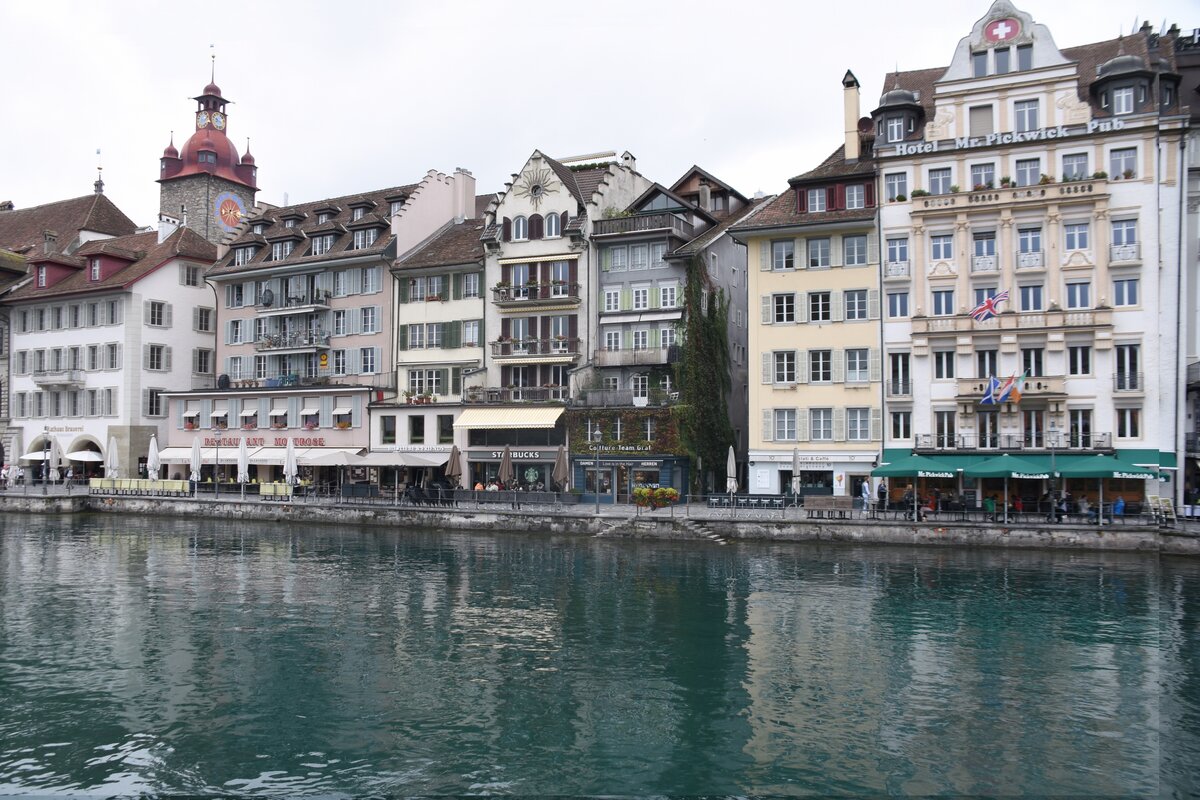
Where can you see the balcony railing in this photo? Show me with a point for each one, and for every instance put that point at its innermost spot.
(294, 304)
(58, 377)
(899, 388)
(897, 269)
(1128, 382)
(1034, 259)
(275, 379)
(292, 341)
(1058, 318)
(1041, 386)
(515, 394)
(535, 292)
(1125, 252)
(641, 223)
(1049, 442)
(984, 264)
(633, 356)
(565, 347)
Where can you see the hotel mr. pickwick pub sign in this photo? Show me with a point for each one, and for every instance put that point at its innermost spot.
(1010, 137)
(261, 441)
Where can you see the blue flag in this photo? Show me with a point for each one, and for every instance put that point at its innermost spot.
(991, 396)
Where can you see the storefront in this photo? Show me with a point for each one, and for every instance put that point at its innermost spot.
(838, 474)
(532, 466)
(616, 476)
(532, 435)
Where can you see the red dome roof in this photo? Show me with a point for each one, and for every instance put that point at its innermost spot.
(171, 152)
(247, 159)
(212, 88)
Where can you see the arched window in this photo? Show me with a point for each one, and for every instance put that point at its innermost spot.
(520, 229)
(552, 226)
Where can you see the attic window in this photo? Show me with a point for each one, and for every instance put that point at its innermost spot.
(207, 157)
(395, 207)
(259, 228)
(816, 199)
(94, 268)
(1123, 100)
(358, 213)
(323, 217)
(41, 276)
(289, 223)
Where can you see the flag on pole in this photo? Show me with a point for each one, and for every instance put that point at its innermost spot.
(987, 309)
(1010, 392)
(991, 395)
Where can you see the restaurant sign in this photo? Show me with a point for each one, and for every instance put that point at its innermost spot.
(1008, 137)
(261, 441)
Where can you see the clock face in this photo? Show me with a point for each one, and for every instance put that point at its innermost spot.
(228, 210)
(202, 119)
(218, 120)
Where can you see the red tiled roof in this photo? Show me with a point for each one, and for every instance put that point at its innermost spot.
(588, 180)
(144, 247)
(22, 230)
(836, 166)
(456, 243)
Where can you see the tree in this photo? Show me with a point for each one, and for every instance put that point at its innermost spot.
(703, 372)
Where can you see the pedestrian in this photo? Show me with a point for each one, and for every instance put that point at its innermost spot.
(907, 500)
(882, 492)
(866, 497)
(989, 507)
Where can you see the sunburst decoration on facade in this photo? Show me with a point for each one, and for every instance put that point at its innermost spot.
(534, 184)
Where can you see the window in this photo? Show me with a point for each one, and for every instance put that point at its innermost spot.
(366, 357)
(416, 337)
(416, 429)
(639, 385)
(156, 404)
(639, 257)
(856, 304)
(895, 129)
(901, 424)
(1024, 57)
(1032, 361)
(641, 298)
(897, 304)
(369, 319)
(1026, 114)
(1029, 171)
(1123, 163)
(986, 363)
(983, 176)
(322, 244)
(371, 280)
(658, 256)
(943, 302)
(818, 253)
(1123, 100)
(1128, 423)
(939, 181)
(1125, 292)
(1075, 167)
(156, 315)
(821, 424)
(1076, 235)
(784, 306)
(819, 309)
(612, 340)
(433, 334)
(1001, 54)
(1128, 367)
(856, 196)
(641, 339)
(553, 226)
(612, 299)
(94, 268)
(896, 185)
(156, 358)
(234, 297)
(387, 429)
(942, 245)
(616, 259)
(115, 311)
(854, 251)
(470, 333)
(820, 366)
(470, 284)
(785, 424)
(944, 428)
(1080, 424)
(1079, 360)
(339, 322)
(520, 229)
(1079, 294)
(816, 199)
(1029, 240)
(666, 337)
(981, 121)
(783, 254)
(281, 250)
(1031, 298)
(979, 64)
(984, 244)
(202, 361)
(668, 296)
(857, 365)
(1124, 232)
(364, 238)
(858, 424)
(785, 366)
(943, 364)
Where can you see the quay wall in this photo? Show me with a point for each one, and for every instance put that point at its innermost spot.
(573, 520)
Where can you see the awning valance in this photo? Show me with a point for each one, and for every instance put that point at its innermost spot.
(277, 412)
(509, 417)
(535, 259)
(384, 459)
(249, 412)
(341, 410)
(220, 412)
(309, 411)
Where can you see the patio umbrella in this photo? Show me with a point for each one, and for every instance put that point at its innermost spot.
(85, 455)
(454, 466)
(731, 484)
(506, 473)
(243, 465)
(152, 459)
(336, 458)
(1007, 466)
(290, 470)
(796, 471)
(562, 469)
(55, 460)
(112, 461)
(195, 462)
(915, 467)
(1101, 467)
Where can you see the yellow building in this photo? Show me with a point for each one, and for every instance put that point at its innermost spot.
(813, 275)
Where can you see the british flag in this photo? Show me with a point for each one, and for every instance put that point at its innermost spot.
(987, 309)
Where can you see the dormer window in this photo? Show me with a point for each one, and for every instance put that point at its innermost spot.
(856, 197)
(364, 238)
(242, 255)
(895, 129)
(816, 199)
(281, 250)
(1123, 100)
(94, 268)
(259, 228)
(322, 244)
(41, 276)
(289, 223)
(323, 217)
(207, 157)
(357, 213)
(1168, 95)
(395, 207)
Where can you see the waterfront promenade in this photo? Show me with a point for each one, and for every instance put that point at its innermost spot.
(701, 521)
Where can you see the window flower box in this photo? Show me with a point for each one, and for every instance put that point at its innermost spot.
(189, 426)
(343, 425)
(310, 426)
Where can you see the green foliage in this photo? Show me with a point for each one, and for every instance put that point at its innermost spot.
(703, 372)
(655, 498)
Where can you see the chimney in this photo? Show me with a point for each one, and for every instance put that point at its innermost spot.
(705, 195)
(49, 242)
(850, 110)
(166, 227)
(464, 194)
(629, 161)
(7, 205)
(183, 214)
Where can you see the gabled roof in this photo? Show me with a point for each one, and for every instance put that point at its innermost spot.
(695, 170)
(566, 176)
(21, 230)
(307, 223)
(709, 236)
(836, 166)
(147, 255)
(455, 243)
(659, 188)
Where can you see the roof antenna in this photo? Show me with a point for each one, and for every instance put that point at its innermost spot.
(99, 184)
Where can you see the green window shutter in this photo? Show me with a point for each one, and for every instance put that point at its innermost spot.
(444, 379)
(654, 297)
(456, 380)
(403, 285)
(605, 259)
(626, 299)
(402, 341)
(652, 338)
(456, 281)
(452, 334)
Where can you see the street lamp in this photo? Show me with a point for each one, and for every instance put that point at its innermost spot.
(45, 459)
(217, 468)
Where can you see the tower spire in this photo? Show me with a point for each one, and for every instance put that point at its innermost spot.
(213, 71)
(98, 186)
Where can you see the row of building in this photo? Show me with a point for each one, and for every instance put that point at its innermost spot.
(410, 319)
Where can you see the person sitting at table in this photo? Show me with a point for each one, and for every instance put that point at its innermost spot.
(1085, 509)
(1017, 506)
(479, 486)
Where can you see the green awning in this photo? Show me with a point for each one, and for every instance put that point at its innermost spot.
(915, 466)
(1167, 460)
(1149, 457)
(1010, 466)
(1102, 466)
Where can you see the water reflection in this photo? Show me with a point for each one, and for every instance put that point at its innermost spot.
(205, 657)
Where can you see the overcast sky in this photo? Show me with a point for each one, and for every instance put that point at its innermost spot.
(343, 97)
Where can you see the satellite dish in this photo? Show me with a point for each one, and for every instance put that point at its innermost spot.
(865, 125)
(268, 297)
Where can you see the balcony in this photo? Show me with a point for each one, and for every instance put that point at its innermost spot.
(623, 398)
(540, 351)
(899, 388)
(1024, 321)
(635, 356)
(284, 305)
(1050, 387)
(984, 264)
(58, 378)
(1089, 190)
(897, 269)
(552, 293)
(275, 379)
(304, 342)
(1191, 444)
(643, 223)
(475, 395)
(1041, 442)
(1126, 382)
(1034, 259)
(1125, 253)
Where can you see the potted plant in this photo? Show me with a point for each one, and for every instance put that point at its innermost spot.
(278, 425)
(408, 396)
(188, 425)
(954, 188)
(900, 198)
(1005, 182)
(310, 426)
(343, 425)
(1045, 179)
(916, 193)
(220, 424)
(1127, 174)
(1100, 175)
(249, 426)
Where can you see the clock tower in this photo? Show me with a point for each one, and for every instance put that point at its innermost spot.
(206, 182)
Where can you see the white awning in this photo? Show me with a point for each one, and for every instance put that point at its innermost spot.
(341, 410)
(224, 412)
(509, 417)
(277, 412)
(249, 412)
(534, 259)
(401, 459)
(305, 412)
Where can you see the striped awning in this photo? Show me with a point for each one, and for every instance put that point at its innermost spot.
(536, 259)
(509, 417)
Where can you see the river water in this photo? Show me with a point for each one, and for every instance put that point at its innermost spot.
(152, 655)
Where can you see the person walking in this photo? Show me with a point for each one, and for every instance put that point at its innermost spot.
(866, 497)
(882, 492)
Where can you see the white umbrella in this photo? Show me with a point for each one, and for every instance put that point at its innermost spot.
(195, 462)
(55, 460)
(290, 470)
(731, 484)
(153, 462)
(796, 471)
(85, 455)
(112, 462)
(243, 463)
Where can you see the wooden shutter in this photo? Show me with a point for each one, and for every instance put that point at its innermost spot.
(768, 425)
(166, 359)
(833, 196)
(168, 315)
(145, 312)
(802, 200)
(456, 380)
(876, 424)
(837, 306)
(506, 327)
(869, 194)
(839, 424)
(456, 286)
(873, 303)
(506, 230)
(801, 424)
(563, 219)
(839, 365)
(801, 366)
(353, 321)
(801, 307)
(403, 285)
(145, 357)
(444, 380)
(875, 364)
(768, 368)
(800, 254)
(325, 412)
(535, 226)
(452, 334)
(764, 255)
(572, 327)
(402, 339)
(145, 402)
(768, 312)
(872, 248)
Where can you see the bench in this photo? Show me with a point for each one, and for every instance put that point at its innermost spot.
(827, 507)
